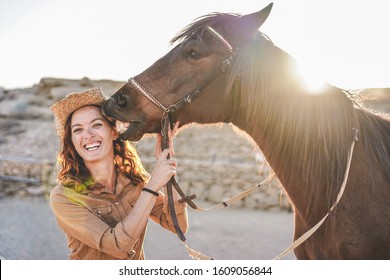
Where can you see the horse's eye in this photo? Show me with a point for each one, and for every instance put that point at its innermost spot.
(193, 54)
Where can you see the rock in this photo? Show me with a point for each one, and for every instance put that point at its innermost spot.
(199, 188)
(2, 93)
(233, 191)
(32, 191)
(86, 82)
(10, 128)
(250, 202)
(12, 108)
(185, 186)
(46, 84)
(21, 109)
(215, 193)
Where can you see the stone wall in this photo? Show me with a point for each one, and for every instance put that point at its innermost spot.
(214, 162)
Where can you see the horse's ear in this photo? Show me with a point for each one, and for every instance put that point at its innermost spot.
(246, 26)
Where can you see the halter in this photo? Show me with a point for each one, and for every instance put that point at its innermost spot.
(189, 97)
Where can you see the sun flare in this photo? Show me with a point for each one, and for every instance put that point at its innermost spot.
(311, 78)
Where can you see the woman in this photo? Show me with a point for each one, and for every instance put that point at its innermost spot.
(104, 196)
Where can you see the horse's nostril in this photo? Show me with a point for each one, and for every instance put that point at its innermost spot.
(122, 101)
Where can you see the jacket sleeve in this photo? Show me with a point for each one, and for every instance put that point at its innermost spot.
(161, 214)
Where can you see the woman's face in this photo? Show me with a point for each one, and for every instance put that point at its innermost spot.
(92, 136)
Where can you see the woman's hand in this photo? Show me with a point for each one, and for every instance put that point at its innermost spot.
(162, 172)
(171, 135)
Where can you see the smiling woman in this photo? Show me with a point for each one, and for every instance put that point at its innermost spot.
(104, 196)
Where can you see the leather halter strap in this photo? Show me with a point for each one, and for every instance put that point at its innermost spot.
(224, 66)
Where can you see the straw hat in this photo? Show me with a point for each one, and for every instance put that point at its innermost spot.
(73, 101)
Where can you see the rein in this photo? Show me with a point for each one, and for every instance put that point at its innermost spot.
(310, 232)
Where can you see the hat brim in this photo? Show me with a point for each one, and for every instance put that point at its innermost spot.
(73, 101)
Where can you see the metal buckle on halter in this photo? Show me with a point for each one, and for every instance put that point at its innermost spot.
(225, 65)
(172, 108)
(188, 99)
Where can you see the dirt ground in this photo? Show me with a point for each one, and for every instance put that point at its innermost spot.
(29, 232)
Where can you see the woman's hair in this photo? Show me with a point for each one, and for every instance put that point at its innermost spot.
(74, 174)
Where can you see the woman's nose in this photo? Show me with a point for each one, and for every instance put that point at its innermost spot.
(89, 133)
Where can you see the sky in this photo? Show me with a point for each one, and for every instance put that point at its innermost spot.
(343, 42)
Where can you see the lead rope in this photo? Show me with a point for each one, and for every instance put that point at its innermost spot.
(239, 196)
(164, 145)
(310, 232)
(172, 183)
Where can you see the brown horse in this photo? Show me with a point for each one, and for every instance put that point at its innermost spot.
(223, 69)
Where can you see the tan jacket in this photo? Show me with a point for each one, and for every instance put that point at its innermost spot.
(91, 220)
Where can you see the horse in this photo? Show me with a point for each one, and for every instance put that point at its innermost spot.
(222, 69)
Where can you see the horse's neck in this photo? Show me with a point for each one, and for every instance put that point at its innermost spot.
(287, 135)
(295, 189)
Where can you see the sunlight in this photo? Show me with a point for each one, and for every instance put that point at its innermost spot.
(311, 79)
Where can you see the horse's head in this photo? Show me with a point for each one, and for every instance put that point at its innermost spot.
(189, 80)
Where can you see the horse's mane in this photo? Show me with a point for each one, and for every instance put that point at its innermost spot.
(199, 25)
(310, 133)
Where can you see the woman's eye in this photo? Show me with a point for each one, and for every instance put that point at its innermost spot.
(77, 130)
(193, 54)
(97, 125)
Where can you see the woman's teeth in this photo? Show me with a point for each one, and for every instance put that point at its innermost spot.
(121, 127)
(92, 146)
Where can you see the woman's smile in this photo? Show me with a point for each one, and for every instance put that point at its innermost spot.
(93, 146)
